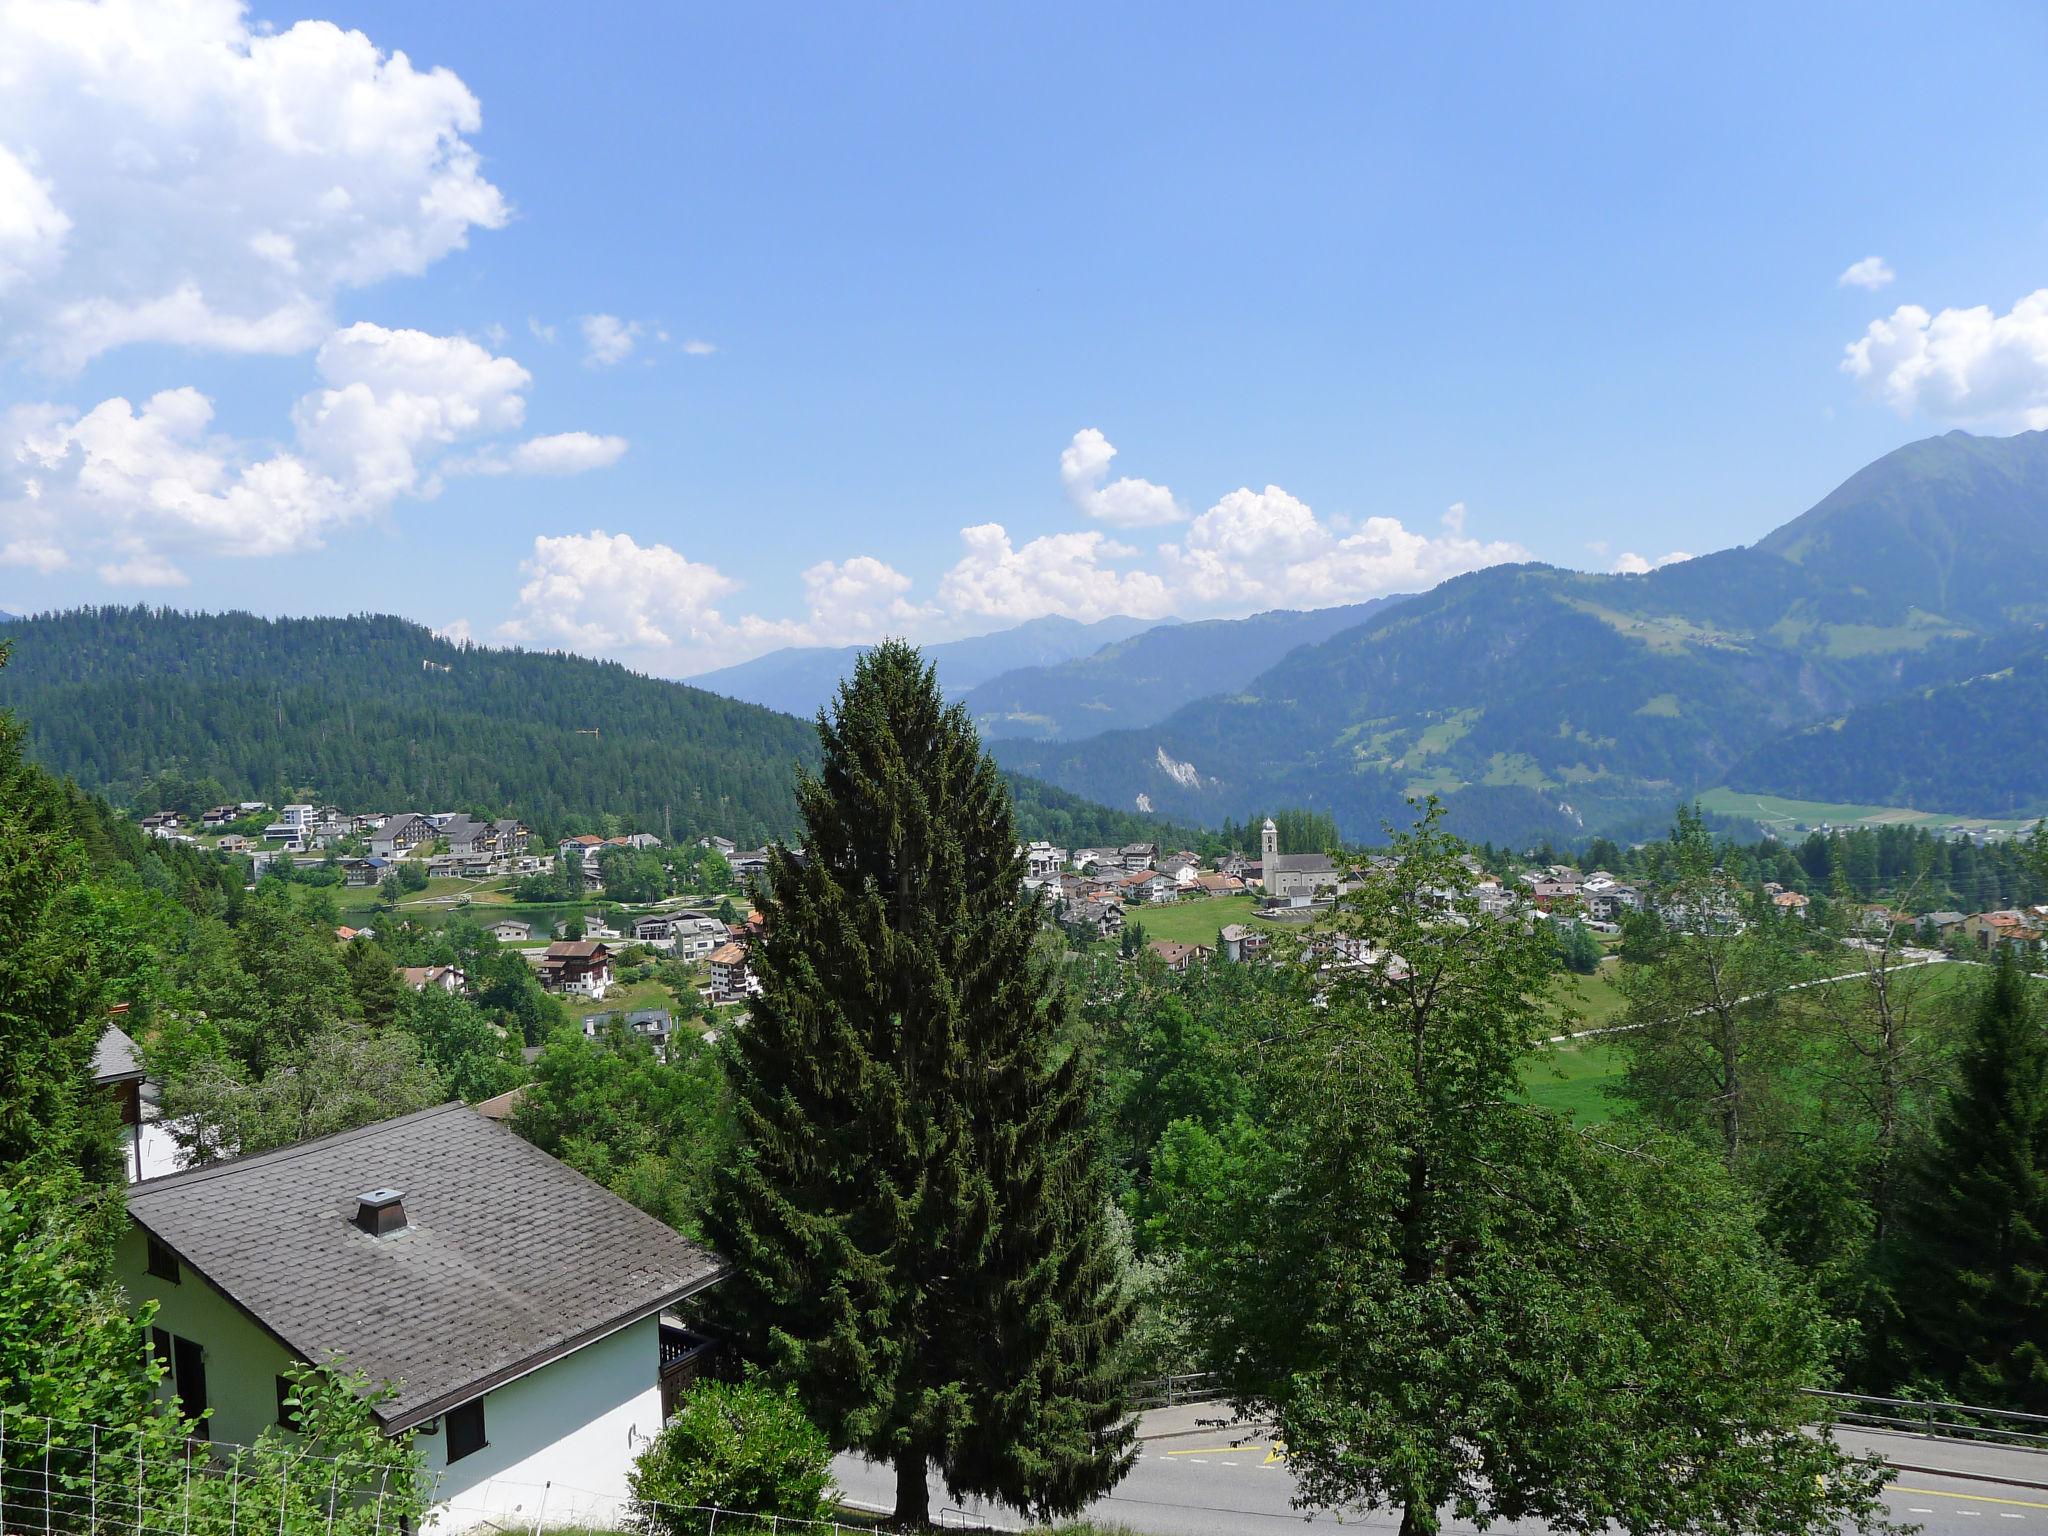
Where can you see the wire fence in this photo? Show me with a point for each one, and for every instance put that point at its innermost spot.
(59, 1477)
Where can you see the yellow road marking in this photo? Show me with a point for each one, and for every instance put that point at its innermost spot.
(1967, 1498)
(1274, 1453)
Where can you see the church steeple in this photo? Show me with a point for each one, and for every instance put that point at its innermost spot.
(1269, 841)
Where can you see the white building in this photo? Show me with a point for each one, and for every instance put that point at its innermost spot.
(441, 1253)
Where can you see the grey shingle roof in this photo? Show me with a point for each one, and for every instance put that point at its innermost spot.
(114, 1059)
(509, 1258)
(1300, 863)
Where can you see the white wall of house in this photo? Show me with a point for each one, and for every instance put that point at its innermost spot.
(561, 1440)
(242, 1361)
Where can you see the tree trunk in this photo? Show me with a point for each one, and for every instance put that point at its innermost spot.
(913, 1492)
(1418, 1519)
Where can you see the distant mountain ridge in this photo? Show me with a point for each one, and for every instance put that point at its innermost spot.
(1142, 680)
(798, 680)
(1537, 701)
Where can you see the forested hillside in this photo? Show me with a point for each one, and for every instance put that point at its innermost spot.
(375, 712)
(1965, 737)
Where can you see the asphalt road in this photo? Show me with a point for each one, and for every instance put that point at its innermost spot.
(1196, 1478)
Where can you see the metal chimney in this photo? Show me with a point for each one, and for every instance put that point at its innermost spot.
(381, 1212)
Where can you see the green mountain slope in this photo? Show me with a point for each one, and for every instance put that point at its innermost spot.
(1536, 700)
(1969, 742)
(1139, 681)
(378, 713)
(798, 680)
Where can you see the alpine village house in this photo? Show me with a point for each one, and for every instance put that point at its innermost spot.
(525, 1317)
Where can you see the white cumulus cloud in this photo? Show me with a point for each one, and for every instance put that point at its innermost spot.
(1125, 503)
(1629, 563)
(1872, 273)
(1268, 548)
(170, 173)
(1062, 573)
(608, 340)
(1964, 367)
(133, 489)
(608, 593)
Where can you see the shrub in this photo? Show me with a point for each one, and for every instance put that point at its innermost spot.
(738, 1446)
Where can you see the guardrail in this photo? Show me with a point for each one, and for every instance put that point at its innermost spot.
(1166, 1391)
(1941, 1421)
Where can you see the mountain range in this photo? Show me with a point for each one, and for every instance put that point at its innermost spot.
(1143, 679)
(1887, 646)
(800, 680)
(1539, 701)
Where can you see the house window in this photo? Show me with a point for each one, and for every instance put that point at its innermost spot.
(162, 1262)
(465, 1430)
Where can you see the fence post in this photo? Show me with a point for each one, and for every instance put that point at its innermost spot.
(138, 1480)
(49, 1429)
(92, 1500)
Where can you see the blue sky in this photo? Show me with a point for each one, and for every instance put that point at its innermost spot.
(1359, 297)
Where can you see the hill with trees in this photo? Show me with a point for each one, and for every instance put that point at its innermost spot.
(375, 712)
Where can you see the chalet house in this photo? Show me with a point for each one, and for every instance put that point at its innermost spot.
(1552, 895)
(2007, 928)
(470, 837)
(1043, 860)
(1943, 925)
(584, 847)
(440, 1253)
(652, 1024)
(1136, 856)
(1294, 876)
(512, 930)
(1790, 904)
(656, 930)
(1216, 883)
(1241, 943)
(748, 862)
(1233, 864)
(595, 927)
(446, 978)
(723, 846)
(694, 935)
(147, 1147)
(401, 834)
(1105, 917)
(219, 815)
(580, 967)
(234, 842)
(730, 978)
(1147, 885)
(1177, 957)
(364, 871)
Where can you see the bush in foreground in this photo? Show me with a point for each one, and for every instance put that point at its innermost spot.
(737, 1446)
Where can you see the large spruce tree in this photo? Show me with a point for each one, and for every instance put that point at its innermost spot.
(1971, 1257)
(915, 1210)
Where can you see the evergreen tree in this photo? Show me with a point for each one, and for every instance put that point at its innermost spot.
(1971, 1263)
(51, 1008)
(916, 1214)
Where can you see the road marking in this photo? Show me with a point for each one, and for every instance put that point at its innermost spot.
(1274, 1453)
(1950, 1493)
(1200, 1461)
(1914, 1509)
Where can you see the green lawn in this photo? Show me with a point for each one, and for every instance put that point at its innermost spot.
(1194, 921)
(1593, 1002)
(1770, 810)
(1573, 1079)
